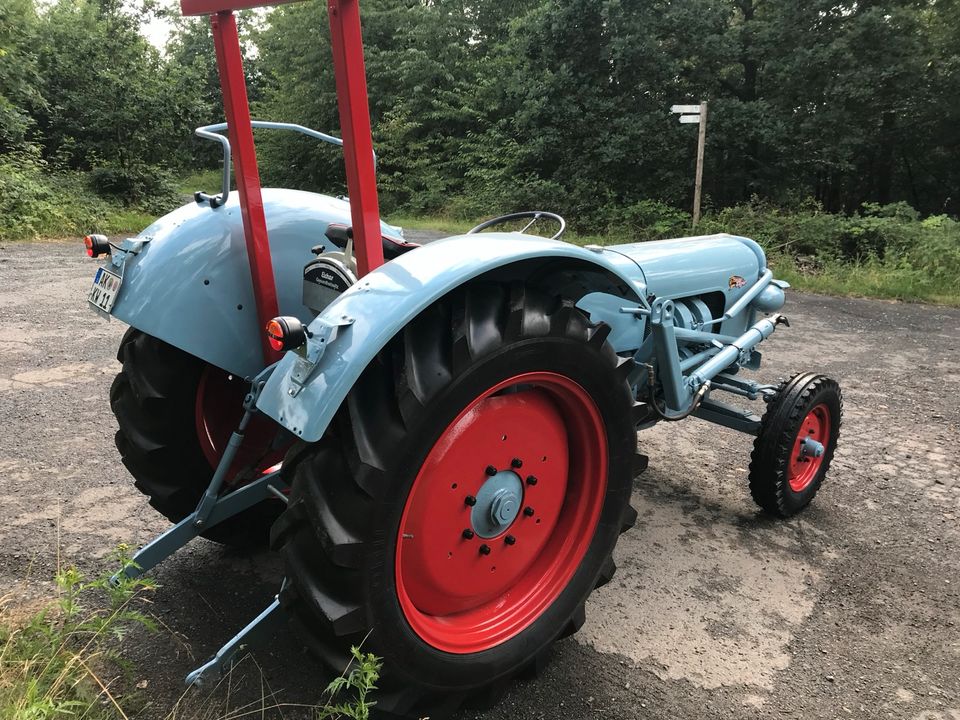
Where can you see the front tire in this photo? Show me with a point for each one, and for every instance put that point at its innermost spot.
(408, 528)
(175, 413)
(795, 445)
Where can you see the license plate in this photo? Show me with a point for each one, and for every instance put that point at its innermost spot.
(103, 294)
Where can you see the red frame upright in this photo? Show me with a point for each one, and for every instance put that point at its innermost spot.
(351, 78)
(226, 42)
(349, 70)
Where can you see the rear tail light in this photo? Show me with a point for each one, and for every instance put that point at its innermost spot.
(96, 245)
(286, 333)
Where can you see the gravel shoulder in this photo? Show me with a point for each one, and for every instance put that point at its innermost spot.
(850, 610)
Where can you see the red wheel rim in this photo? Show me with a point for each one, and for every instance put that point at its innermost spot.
(455, 597)
(217, 412)
(804, 466)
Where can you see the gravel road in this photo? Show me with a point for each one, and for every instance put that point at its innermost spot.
(851, 610)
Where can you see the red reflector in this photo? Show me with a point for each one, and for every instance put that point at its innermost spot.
(275, 335)
(96, 245)
(285, 333)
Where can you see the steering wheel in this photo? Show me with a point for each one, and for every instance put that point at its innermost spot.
(534, 214)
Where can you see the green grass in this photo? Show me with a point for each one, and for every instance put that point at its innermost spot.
(124, 221)
(76, 221)
(438, 223)
(209, 181)
(65, 658)
(869, 279)
(62, 660)
(455, 226)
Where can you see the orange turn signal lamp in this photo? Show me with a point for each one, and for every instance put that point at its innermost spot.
(96, 245)
(286, 333)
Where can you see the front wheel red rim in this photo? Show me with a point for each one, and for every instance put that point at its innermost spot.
(805, 460)
(502, 512)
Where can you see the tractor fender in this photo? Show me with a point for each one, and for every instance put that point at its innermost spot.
(187, 281)
(308, 385)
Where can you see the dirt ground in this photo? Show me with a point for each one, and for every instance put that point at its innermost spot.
(851, 610)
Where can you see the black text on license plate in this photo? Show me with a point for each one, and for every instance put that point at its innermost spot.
(104, 291)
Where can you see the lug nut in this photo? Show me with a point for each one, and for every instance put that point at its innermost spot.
(467, 534)
(484, 549)
(491, 470)
(470, 500)
(517, 463)
(510, 540)
(531, 480)
(528, 511)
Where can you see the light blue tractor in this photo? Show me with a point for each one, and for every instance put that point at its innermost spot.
(440, 441)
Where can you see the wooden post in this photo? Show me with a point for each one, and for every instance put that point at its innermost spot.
(699, 181)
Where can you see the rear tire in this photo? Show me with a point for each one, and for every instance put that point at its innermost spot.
(154, 398)
(783, 480)
(406, 462)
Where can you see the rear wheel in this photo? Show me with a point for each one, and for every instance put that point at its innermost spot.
(469, 501)
(176, 413)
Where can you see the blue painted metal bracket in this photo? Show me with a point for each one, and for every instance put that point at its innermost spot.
(738, 386)
(687, 394)
(214, 508)
(165, 545)
(729, 416)
(262, 626)
(677, 394)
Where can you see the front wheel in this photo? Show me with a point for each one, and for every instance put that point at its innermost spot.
(469, 499)
(797, 439)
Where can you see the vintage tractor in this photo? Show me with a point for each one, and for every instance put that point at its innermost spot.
(440, 440)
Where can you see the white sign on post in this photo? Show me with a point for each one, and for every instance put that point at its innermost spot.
(695, 115)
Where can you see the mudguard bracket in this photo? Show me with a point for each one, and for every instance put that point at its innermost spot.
(323, 333)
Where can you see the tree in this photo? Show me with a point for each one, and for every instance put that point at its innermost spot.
(20, 97)
(110, 97)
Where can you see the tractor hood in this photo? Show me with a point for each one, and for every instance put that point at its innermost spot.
(692, 266)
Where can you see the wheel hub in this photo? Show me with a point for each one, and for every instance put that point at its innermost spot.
(809, 448)
(454, 543)
(498, 504)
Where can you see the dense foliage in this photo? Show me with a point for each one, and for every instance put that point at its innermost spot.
(564, 103)
(822, 114)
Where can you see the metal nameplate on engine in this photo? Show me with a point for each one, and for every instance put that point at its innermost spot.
(324, 280)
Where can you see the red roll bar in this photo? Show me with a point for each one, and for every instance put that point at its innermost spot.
(348, 66)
